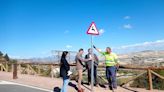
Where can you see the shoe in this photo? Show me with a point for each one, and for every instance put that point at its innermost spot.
(79, 90)
(96, 85)
(110, 87)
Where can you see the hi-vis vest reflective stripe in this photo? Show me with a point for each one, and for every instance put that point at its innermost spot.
(110, 59)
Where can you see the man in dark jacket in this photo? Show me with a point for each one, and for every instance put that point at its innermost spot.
(89, 65)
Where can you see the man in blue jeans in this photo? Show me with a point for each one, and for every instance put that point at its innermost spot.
(111, 62)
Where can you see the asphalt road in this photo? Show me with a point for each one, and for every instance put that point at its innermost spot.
(13, 87)
(18, 88)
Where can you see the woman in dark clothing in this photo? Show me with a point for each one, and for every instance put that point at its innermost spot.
(64, 68)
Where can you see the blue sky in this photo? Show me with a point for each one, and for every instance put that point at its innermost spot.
(30, 28)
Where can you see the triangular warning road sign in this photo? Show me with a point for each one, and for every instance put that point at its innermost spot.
(92, 29)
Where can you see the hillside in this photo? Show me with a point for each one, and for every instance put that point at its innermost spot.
(143, 58)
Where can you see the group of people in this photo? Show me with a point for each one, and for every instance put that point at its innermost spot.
(111, 63)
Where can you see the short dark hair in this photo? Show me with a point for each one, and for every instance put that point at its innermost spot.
(108, 48)
(81, 50)
(89, 49)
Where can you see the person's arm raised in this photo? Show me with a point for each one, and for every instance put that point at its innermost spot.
(96, 49)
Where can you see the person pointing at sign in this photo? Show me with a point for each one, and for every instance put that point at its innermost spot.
(112, 63)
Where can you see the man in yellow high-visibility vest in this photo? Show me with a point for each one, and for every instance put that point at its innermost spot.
(111, 62)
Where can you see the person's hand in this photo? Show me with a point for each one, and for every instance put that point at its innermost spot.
(94, 46)
(90, 59)
(117, 66)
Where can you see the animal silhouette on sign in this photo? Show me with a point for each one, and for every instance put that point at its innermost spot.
(93, 29)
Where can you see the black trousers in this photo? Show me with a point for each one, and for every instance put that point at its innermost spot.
(95, 75)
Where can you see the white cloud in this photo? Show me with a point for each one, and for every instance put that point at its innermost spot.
(66, 31)
(127, 17)
(159, 41)
(68, 46)
(151, 45)
(144, 44)
(127, 26)
(101, 31)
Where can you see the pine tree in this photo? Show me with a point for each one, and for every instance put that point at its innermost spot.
(1, 54)
(6, 57)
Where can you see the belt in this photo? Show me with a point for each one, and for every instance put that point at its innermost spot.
(109, 66)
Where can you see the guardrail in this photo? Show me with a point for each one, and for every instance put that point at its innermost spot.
(35, 69)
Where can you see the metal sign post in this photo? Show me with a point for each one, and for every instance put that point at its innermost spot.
(92, 31)
(92, 68)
